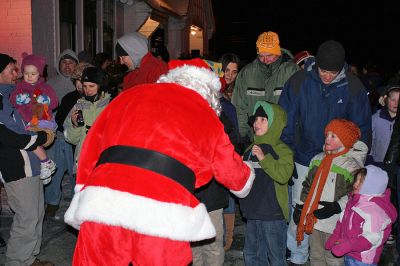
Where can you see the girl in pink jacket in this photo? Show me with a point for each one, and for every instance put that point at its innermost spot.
(365, 224)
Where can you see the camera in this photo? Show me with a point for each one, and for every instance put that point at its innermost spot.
(79, 119)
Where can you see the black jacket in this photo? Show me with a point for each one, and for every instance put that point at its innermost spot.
(214, 195)
(13, 156)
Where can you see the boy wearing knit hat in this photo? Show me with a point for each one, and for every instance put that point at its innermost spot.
(365, 225)
(325, 189)
(266, 207)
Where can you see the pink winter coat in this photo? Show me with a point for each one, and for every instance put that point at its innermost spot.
(22, 98)
(363, 227)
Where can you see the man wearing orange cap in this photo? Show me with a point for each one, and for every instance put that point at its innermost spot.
(262, 79)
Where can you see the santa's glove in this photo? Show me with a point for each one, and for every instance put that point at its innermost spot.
(329, 209)
(297, 213)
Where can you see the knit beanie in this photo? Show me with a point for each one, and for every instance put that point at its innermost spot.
(268, 42)
(95, 75)
(375, 181)
(36, 60)
(347, 131)
(5, 60)
(262, 109)
(330, 56)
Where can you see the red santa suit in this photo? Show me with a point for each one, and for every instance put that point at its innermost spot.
(139, 165)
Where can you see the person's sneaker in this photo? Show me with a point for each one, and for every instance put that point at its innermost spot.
(37, 262)
(47, 169)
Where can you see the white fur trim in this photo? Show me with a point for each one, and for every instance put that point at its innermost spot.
(78, 188)
(199, 79)
(247, 187)
(139, 214)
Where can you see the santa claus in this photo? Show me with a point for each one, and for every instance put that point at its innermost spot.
(139, 165)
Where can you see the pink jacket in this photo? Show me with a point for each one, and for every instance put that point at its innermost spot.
(363, 227)
(22, 98)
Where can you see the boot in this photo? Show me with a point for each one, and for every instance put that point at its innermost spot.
(229, 225)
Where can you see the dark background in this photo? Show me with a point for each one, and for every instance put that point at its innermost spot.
(368, 31)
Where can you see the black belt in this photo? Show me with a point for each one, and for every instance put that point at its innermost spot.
(150, 160)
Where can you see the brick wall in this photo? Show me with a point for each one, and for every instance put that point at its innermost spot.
(15, 28)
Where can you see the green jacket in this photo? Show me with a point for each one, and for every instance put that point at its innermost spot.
(279, 170)
(90, 111)
(260, 82)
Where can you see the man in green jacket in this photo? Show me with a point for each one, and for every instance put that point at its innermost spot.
(262, 79)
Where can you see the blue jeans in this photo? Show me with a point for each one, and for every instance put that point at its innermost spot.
(265, 243)
(61, 153)
(350, 261)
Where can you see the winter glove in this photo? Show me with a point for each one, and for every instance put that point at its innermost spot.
(331, 242)
(329, 209)
(342, 248)
(297, 213)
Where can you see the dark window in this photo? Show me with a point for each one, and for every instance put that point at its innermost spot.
(67, 24)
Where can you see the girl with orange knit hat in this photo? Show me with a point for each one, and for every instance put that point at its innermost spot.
(325, 190)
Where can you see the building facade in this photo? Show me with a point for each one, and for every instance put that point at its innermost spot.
(47, 27)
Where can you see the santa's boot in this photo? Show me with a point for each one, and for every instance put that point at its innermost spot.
(229, 225)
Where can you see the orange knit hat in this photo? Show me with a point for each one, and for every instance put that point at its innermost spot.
(347, 131)
(268, 42)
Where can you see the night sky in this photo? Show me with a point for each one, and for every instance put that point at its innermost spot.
(368, 31)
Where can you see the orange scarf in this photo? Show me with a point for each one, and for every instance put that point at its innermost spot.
(319, 179)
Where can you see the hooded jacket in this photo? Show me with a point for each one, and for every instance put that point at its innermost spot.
(268, 198)
(366, 223)
(60, 83)
(311, 105)
(147, 68)
(260, 82)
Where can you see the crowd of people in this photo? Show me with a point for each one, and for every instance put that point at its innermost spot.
(161, 152)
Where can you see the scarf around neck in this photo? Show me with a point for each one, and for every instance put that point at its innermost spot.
(307, 218)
